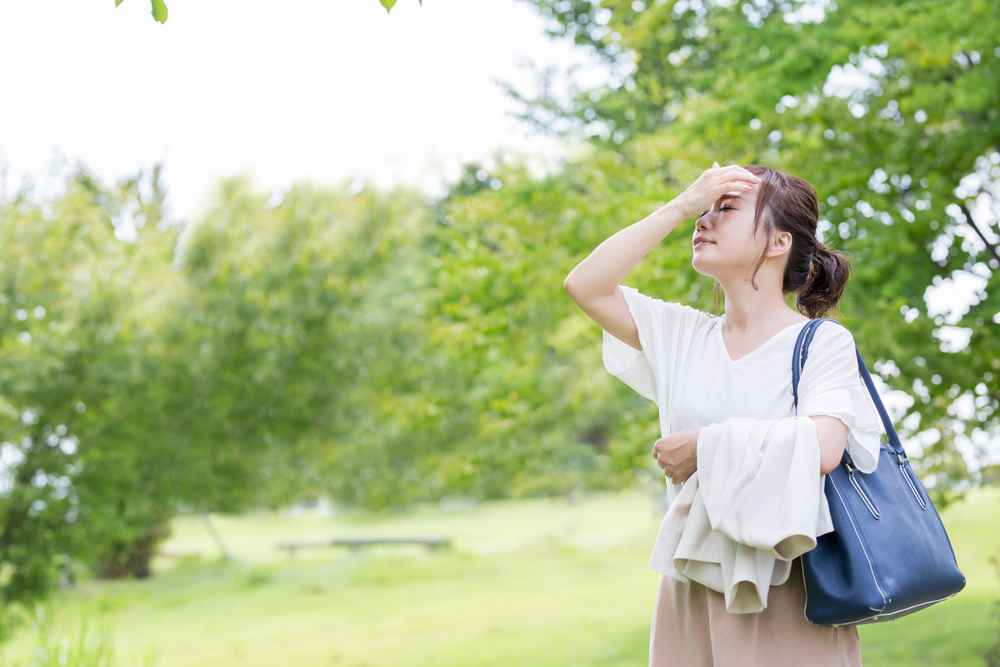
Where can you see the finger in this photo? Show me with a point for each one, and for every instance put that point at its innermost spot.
(735, 167)
(740, 189)
(735, 188)
(746, 173)
(740, 183)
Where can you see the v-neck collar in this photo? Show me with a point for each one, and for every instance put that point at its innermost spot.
(756, 350)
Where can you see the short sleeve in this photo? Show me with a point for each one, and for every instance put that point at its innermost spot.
(831, 384)
(663, 327)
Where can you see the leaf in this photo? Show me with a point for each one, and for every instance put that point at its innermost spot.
(118, 2)
(159, 10)
(388, 4)
(7, 409)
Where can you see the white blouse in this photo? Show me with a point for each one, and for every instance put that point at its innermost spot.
(685, 369)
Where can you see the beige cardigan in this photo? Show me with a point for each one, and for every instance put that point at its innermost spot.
(754, 504)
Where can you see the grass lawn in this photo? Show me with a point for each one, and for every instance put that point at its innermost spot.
(536, 582)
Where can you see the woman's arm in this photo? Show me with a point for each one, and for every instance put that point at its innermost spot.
(593, 283)
(832, 441)
(677, 453)
(830, 431)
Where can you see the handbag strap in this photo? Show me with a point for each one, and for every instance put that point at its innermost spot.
(799, 355)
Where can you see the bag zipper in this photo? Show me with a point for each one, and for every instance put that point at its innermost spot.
(909, 482)
(861, 492)
(864, 496)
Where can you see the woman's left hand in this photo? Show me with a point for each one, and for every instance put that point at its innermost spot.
(677, 454)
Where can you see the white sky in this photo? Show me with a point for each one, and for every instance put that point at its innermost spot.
(287, 90)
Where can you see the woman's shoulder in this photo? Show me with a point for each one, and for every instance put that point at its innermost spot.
(831, 338)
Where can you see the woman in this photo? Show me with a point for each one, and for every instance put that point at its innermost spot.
(755, 235)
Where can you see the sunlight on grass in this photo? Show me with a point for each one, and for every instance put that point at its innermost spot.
(527, 582)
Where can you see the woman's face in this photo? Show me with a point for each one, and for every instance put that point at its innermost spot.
(732, 250)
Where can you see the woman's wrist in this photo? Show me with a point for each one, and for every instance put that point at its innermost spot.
(670, 215)
(679, 207)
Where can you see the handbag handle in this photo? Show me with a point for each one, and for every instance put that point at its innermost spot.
(802, 350)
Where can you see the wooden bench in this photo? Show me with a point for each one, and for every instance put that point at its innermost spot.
(355, 544)
(180, 553)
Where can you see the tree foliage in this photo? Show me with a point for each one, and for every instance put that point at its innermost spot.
(211, 368)
(158, 8)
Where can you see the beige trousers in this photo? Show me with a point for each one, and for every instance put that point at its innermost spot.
(691, 628)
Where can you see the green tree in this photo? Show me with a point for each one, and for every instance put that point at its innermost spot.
(298, 312)
(75, 358)
(232, 365)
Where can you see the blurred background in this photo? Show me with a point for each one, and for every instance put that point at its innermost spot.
(287, 373)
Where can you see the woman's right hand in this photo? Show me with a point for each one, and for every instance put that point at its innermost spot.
(712, 184)
(677, 454)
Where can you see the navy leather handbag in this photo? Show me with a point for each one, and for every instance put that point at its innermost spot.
(889, 554)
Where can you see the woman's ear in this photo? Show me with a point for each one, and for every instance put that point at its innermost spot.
(781, 243)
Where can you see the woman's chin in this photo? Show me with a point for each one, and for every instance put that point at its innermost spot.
(701, 264)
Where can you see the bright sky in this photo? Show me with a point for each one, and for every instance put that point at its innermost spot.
(287, 90)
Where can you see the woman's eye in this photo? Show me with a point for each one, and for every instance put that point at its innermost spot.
(702, 214)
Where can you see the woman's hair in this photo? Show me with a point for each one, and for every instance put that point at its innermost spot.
(816, 272)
